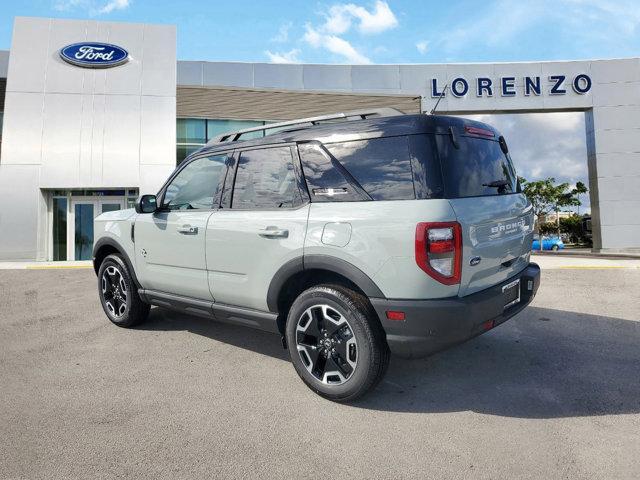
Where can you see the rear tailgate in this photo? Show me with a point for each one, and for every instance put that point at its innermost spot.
(497, 233)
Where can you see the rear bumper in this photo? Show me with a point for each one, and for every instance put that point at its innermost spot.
(433, 325)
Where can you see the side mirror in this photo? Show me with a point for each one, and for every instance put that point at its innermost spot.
(146, 204)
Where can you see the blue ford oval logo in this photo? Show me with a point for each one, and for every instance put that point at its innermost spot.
(94, 55)
(474, 261)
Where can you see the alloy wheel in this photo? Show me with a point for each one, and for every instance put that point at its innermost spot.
(326, 344)
(114, 291)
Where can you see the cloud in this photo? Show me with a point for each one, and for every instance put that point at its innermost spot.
(284, 57)
(422, 46)
(283, 33)
(114, 5)
(339, 18)
(92, 7)
(335, 45)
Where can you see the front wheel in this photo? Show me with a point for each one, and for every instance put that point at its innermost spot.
(336, 343)
(119, 294)
(555, 248)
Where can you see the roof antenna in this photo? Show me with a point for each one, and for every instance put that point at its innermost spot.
(444, 90)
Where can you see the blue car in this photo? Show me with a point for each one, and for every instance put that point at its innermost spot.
(548, 243)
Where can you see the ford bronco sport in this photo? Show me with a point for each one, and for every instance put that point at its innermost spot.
(352, 236)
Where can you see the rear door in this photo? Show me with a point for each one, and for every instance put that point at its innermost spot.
(170, 243)
(261, 226)
(496, 219)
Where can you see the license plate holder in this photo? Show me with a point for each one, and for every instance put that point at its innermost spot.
(511, 293)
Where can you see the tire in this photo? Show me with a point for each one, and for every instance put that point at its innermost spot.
(119, 294)
(336, 342)
(555, 248)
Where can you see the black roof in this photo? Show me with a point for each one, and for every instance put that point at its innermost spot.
(331, 132)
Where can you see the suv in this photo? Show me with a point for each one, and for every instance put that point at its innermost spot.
(352, 236)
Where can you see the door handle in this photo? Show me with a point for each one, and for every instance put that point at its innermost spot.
(273, 232)
(188, 230)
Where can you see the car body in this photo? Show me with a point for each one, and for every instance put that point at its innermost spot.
(409, 232)
(548, 243)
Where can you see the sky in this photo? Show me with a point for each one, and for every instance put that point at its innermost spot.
(393, 31)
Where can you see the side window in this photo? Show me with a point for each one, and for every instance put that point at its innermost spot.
(266, 179)
(196, 185)
(381, 165)
(325, 177)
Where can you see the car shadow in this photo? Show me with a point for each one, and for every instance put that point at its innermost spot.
(264, 343)
(543, 363)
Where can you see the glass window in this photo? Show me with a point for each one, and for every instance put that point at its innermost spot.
(427, 177)
(218, 127)
(324, 177)
(196, 184)
(183, 151)
(478, 167)
(191, 130)
(59, 229)
(382, 166)
(110, 207)
(266, 179)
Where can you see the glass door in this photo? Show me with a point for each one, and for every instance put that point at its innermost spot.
(71, 216)
(83, 212)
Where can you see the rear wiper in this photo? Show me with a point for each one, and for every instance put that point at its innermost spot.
(496, 184)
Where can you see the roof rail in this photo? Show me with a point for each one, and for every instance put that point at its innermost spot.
(358, 114)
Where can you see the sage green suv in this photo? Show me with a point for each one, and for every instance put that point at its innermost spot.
(352, 236)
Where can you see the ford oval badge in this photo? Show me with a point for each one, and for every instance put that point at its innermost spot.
(94, 55)
(474, 261)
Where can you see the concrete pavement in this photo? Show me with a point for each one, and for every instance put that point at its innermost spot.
(553, 393)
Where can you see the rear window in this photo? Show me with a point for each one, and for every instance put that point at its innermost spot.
(382, 166)
(477, 167)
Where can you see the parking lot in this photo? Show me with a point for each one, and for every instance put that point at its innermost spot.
(553, 393)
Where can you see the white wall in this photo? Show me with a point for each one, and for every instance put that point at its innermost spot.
(72, 127)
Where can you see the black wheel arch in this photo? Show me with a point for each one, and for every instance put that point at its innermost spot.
(107, 246)
(302, 272)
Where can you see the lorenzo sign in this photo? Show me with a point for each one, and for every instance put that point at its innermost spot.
(94, 55)
(485, 87)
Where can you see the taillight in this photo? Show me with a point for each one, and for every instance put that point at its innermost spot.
(439, 250)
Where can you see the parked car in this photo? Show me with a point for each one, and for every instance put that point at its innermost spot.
(548, 243)
(352, 236)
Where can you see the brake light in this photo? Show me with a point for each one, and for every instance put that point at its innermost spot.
(439, 250)
(481, 132)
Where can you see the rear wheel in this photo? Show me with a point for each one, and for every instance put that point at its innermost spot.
(119, 293)
(555, 248)
(336, 343)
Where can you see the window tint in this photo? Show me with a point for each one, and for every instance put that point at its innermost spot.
(196, 184)
(426, 168)
(324, 177)
(266, 179)
(477, 168)
(382, 166)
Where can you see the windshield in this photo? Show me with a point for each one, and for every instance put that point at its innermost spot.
(477, 167)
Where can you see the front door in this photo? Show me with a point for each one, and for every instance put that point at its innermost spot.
(80, 226)
(170, 243)
(264, 228)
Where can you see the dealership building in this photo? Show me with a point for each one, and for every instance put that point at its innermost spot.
(93, 114)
